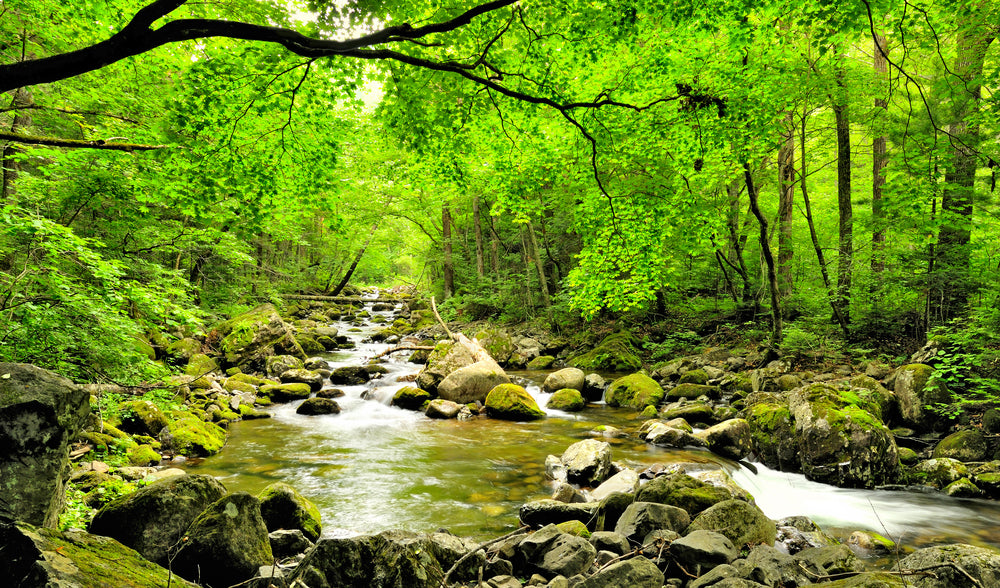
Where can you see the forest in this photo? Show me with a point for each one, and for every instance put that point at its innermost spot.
(815, 177)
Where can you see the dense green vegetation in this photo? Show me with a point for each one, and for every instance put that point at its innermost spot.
(812, 174)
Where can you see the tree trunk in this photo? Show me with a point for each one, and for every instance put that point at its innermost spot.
(449, 269)
(737, 243)
(494, 249)
(845, 257)
(879, 158)
(478, 229)
(765, 248)
(786, 196)
(357, 259)
(957, 195)
(11, 167)
(539, 266)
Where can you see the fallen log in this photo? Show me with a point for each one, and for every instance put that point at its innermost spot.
(341, 299)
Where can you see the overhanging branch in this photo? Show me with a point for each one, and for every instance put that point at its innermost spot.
(76, 143)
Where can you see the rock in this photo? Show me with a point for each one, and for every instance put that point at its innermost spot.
(564, 492)
(571, 377)
(873, 580)
(692, 412)
(588, 462)
(610, 541)
(448, 549)
(915, 391)
(772, 433)
(226, 544)
(387, 560)
(721, 575)
(635, 391)
(682, 491)
(410, 398)
(510, 402)
(473, 382)
(730, 439)
(555, 469)
(616, 353)
(200, 365)
(703, 550)
(252, 337)
(286, 392)
(637, 572)
(963, 488)
(871, 543)
(695, 376)
(741, 522)
(283, 507)
(276, 365)
(981, 563)
(830, 560)
(542, 362)
(182, 350)
(40, 415)
(539, 513)
(768, 566)
(302, 376)
(594, 387)
(288, 542)
(568, 400)
(625, 481)
(967, 445)
(940, 472)
(443, 409)
(799, 533)
(143, 455)
(152, 520)
(567, 556)
(666, 436)
(447, 357)
(610, 510)
(641, 518)
(497, 343)
(692, 391)
(318, 406)
(141, 417)
(503, 581)
(355, 375)
(193, 437)
(35, 556)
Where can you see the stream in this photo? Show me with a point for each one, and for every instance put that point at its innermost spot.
(376, 467)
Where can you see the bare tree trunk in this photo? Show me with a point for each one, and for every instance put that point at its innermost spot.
(8, 161)
(737, 243)
(765, 247)
(478, 229)
(449, 269)
(786, 197)
(539, 266)
(494, 249)
(879, 158)
(357, 259)
(845, 258)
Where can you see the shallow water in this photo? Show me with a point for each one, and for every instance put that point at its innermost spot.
(375, 467)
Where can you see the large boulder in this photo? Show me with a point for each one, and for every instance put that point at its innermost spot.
(473, 382)
(567, 399)
(283, 507)
(193, 437)
(951, 563)
(642, 518)
(141, 417)
(587, 462)
(703, 550)
(967, 445)
(497, 343)
(772, 432)
(226, 544)
(40, 415)
(743, 523)
(729, 439)
(35, 556)
(387, 560)
(447, 357)
(683, 491)
(153, 519)
(565, 378)
(616, 353)
(250, 338)
(915, 390)
(510, 402)
(635, 391)
(410, 398)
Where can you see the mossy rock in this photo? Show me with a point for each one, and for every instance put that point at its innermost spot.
(772, 433)
(692, 391)
(683, 491)
(698, 376)
(915, 390)
(513, 403)
(143, 455)
(194, 437)
(250, 338)
(200, 365)
(567, 399)
(141, 417)
(285, 392)
(411, 398)
(616, 353)
(184, 349)
(234, 385)
(542, 362)
(249, 413)
(635, 391)
(497, 343)
(576, 528)
(694, 412)
(283, 507)
(965, 446)
(310, 345)
(741, 522)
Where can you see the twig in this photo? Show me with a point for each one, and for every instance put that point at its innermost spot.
(404, 348)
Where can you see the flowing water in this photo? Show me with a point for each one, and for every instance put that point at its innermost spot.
(375, 467)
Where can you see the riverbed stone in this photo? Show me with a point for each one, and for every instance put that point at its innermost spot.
(249, 339)
(567, 399)
(627, 481)
(940, 472)
(915, 390)
(567, 556)
(770, 567)
(472, 383)
(641, 518)
(968, 445)
(288, 542)
(286, 392)
(313, 379)
(830, 560)
(442, 409)
(152, 520)
(509, 402)
(283, 507)
(318, 406)
(682, 491)
(410, 398)
(448, 549)
(41, 413)
(542, 362)
(703, 550)
(588, 462)
(225, 544)
(870, 543)
(193, 437)
(664, 435)
(691, 391)
(637, 572)
(36, 556)
(873, 580)
(610, 541)
(141, 417)
(981, 563)
(730, 439)
(539, 513)
(742, 522)
(692, 412)
(615, 353)
(570, 377)
(446, 357)
(634, 391)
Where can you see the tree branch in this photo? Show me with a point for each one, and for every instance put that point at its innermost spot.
(76, 143)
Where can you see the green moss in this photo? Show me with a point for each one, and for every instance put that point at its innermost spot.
(194, 437)
(283, 507)
(698, 376)
(616, 353)
(542, 362)
(142, 455)
(513, 403)
(410, 398)
(635, 391)
(567, 399)
(200, 364)
(692, 391)
(574, 528)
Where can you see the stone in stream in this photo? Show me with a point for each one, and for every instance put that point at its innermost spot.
(770, 567)
(950, 561)
(567, 399)
(472, 383)
(355, 374)
(626, 481)
(968, 445)
(641, 518)
(539, 513)
(741, 522)
(288, 542)
(573, 378)
(251, 338)
(635, 391)
(40, 415)
(594, 387)
(318, 406)
(730, 439)
(283, 507)
(830, 560)
(286, 392)
(703, 550)
(447, 357)
(682, 491)
(193, 437)
(153, 519)
(388, 560)
(303, 376)
(443, 409)
(509, 402)
(36, 556)
(637, 572)
(278, 364)
(410, 398)
(226, 544)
